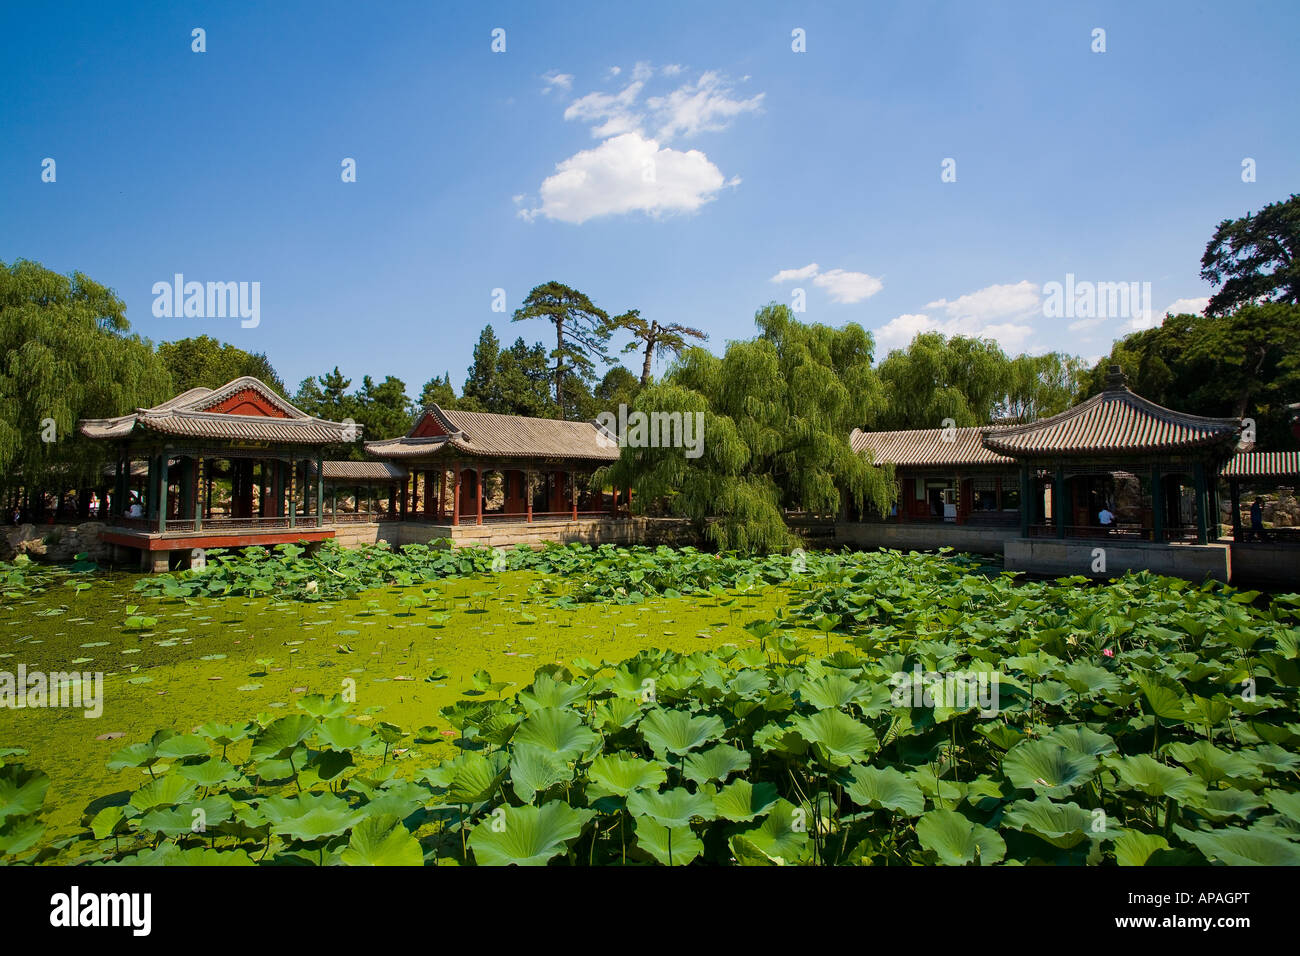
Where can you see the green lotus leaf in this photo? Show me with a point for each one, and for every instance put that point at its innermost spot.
(533, 769)
(20, 834)
(618, 774)
(560, 732)
(780, 738)
(399, 799)
(672, 808)
(224, 734)
(546, 692)
(782, 837)
(831, 691)
(1237, 847)
(310, 816)
(1063, 825)
(183, 746)
(1164, 697)
(742, 801)
(1210, 763)
(716, 763)
(212, 772)
(884, 788)
(1084, 677)
(1155, 779)
(677, 732)
(617, 713)
(957, 841)
(1046, 767)
(169, 854)
(671, 846)
(527, 836)
(197, 817)
(280, 737)
(837, 738)
(340, 733)
(1133, 848)
(164, 792)
(381, 840)
(108, 821)
(1081, 740)
(476, 778)
(22, 791)
(318, 705)
(1285, 802)
(1225, 804)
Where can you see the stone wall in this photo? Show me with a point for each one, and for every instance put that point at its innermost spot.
(54, 542)
(1049, 556)
(922, 536)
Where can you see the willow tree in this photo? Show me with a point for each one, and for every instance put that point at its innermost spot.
(777, 413)
(937, 378)
(65, 354)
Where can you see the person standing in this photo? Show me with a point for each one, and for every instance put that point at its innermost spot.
(1257, 519)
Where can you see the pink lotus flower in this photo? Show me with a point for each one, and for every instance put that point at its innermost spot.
(1108, 652)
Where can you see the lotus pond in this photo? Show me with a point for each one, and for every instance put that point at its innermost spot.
(641, 706)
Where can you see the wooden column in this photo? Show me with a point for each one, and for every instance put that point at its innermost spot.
(528, 493)
(1157, 505)
(293, 494)
(320, 491)
(1059, 507)
(478, 489)
(198, 493)
(1234, 489)
(442, 493)
(1024, 501)
(1202, 503)
(455, 495)
(573, 494)
(613, 510)
(406, 495)
(162, 492)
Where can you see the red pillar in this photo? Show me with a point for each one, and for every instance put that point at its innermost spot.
(442, 493)
(455, 499)
(478, 490)
(573, 494)
(528, 493)
(614, 506)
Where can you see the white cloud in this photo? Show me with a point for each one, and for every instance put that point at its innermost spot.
(1085, 325)
(1019, 300)
(672, 69)
(1192, 306)
(613, 112)
(628, 173)
(1003, 313)
(615, 70)
(897, 333)
(642, 71)
(705, 106)
(848, 287)
(789, 275)
(554, 80)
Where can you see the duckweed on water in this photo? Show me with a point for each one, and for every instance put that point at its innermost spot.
(755, 718)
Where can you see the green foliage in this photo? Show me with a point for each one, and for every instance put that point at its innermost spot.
(65, 355)
(581, 331)
(778, 411)
(203, 361)
(652, 339)
(1245, 364)
(1253, 259)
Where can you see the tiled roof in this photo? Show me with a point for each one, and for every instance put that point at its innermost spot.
(1113, 421)
(188, 415)
(927, 446)
(381, 471)
(489, 435)
(1263, 464)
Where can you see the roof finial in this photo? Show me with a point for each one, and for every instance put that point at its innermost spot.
(1116, 379)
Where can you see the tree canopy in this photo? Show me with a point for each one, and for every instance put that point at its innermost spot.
(581, 332)
(652, 339)
(1245, 364)
(1255, 258)
(203, 361)
(384, 408)
(778, 410)
(65, 354)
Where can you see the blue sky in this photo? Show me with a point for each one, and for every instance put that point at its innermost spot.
(675, 158)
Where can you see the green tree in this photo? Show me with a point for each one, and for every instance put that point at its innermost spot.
(1255, 258)
(618, 387)
(652, 339)
(65, 354)
(326, 396)
(478, 377)
(778, 410)
(936, 378)
(1039, 386)
(384, 409)
(438, 391)
(203, 361)
(581, 332)
(1245, 364)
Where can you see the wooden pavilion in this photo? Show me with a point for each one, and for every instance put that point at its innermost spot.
(242, 435)
(468, 466)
